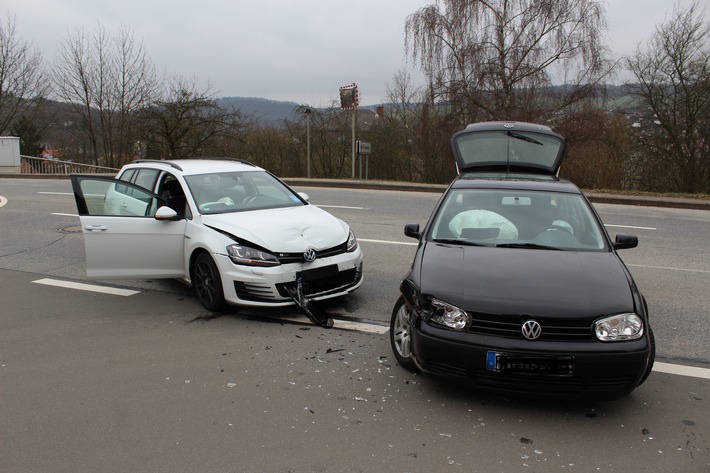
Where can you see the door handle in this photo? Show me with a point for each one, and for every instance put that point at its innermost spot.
(96, 228)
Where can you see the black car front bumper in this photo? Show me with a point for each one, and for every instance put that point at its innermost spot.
(547, 369)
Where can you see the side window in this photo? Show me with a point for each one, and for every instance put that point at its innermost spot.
(146, 178)
(101, 197)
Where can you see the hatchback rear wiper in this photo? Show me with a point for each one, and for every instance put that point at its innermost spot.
(518, 136)
(533, 246)
(454, 241)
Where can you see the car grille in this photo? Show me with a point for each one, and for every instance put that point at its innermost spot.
(542, 384)
(286, 258)
(313, 287)
(264, 293)
(552, 329)
(533, 383)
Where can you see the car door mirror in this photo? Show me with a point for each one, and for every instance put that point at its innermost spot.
(304, 196)
(622, 242)
(166, 213)
(412, 230)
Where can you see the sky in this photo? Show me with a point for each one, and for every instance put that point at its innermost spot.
(293, 50)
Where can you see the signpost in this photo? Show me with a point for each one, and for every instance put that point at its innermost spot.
(349, 100)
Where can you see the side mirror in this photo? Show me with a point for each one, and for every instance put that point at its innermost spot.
(166, 213)
(412, 230)
(622, 242)
(304, 196)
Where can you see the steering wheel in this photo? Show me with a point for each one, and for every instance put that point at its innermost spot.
(556, 227)
(253, 198)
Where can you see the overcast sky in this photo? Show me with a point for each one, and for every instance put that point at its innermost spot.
(296, 50)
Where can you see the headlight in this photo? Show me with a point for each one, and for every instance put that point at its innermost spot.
(448, 315)
(619, 328)
(352, 242)
(240, 254)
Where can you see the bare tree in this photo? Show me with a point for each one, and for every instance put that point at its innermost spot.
(106, 80)
(22, 82)
(187, 122)
(672, 74)
(493, 59)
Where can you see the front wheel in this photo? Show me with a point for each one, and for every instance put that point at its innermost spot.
(208, 283)
(401, 335)
(652, 356)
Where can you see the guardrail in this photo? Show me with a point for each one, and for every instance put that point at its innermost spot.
(32, 165)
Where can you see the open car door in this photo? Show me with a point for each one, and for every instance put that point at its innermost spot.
(124, 234)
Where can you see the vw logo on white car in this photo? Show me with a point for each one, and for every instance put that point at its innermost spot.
(310, 255)
(531, 330)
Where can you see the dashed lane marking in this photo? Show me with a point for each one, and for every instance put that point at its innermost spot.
(355, 326)
(682, 370)
(388, 242)
(86, 287)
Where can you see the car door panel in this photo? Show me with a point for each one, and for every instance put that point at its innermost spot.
(122, 239)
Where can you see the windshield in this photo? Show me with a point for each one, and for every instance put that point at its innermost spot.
(517, 219)
(239, 191)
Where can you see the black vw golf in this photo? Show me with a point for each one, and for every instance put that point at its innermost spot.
(516, 285)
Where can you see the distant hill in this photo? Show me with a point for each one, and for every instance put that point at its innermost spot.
(263, 111)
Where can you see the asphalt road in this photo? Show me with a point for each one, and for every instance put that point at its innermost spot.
(97, 382)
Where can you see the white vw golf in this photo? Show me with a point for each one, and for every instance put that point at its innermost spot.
(233, 231)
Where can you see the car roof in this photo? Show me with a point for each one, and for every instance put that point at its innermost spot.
(514, 181)
(508, 146)
(193, 166)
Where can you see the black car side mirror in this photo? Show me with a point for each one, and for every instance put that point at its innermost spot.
(412, 230)
(622, 242)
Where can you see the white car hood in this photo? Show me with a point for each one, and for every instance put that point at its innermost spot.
(284, 230)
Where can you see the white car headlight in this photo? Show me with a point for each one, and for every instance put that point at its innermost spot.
(448, 315)
(352, 242)
(240, 254)
(618, 328)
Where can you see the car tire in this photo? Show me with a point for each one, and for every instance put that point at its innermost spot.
(401, 335)
(207, 283)
(651, 357)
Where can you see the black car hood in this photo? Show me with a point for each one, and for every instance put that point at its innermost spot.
(538, 283)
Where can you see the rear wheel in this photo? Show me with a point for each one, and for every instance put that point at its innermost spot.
(401, 335)
(208, 283)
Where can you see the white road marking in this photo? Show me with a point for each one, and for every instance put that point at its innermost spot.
(86, 287)
(340, 324)
(666, 268)
(3, 201)
(388, 242)
(55, 193)
(630, 226)
(65, 215)
(340, 207)
(659, 367)
(681, 370)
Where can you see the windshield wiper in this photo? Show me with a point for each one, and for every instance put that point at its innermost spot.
(518, 136)
(454, 241)
(533, 246)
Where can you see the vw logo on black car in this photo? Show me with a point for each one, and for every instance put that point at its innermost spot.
(531, 330)
(310, 255)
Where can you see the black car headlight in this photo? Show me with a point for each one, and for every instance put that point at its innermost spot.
(619, 328)
(448, 315)
(240, 254)
(352, 242)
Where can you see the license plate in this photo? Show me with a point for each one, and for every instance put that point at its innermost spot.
(318, 273)
(526, 364)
